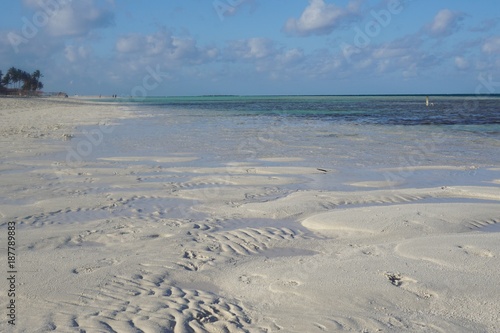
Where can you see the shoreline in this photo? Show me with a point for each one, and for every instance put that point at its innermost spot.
(151, 238)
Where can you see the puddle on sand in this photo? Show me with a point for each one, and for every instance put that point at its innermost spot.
(491, 228)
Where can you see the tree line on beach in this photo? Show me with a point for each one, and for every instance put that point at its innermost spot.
(19, 82)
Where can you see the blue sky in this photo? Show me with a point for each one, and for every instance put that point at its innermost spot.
(195, 47)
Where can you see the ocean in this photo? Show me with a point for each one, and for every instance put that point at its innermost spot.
(395, 110)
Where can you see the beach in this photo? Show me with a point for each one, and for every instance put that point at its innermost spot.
(132, 220)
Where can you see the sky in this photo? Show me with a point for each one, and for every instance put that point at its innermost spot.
(254, 47)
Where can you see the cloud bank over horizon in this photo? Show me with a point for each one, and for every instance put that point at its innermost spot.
(253, 47)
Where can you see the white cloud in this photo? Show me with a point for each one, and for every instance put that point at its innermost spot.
(73, 18)
(320, 18)
(492, 45)
(461, 63)
(264, 56)
(387, 51)
(162, 47)
(251, 48)
(405, 57)
(229, 8)
(259, 47)
(184, 49)
(158, 43)
(131, 43)
(445, 23)
(212, 52)
(152, 44)
(76, 53)
(291, 56)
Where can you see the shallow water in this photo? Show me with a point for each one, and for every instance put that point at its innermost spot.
(491, 228)
(353, 138)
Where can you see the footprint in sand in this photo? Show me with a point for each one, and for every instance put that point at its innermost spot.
(475, 251)
(194, 261)
(252, 279)
(284, 286)
(409, 284)
(90, 268)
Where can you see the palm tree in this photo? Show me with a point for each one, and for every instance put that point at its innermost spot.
(2, 89)
(36, 74)
(8, 79)
(22, 77)
(32, 82)
(35, 80)
(26, 79)
(15, 76)
(22, 80)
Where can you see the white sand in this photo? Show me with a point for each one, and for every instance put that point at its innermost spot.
(116, 244)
